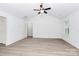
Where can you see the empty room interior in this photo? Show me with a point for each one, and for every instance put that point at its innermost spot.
(39, 29)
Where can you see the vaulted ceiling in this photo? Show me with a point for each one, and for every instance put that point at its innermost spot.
(59, 10)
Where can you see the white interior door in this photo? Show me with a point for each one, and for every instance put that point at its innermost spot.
(29, 29)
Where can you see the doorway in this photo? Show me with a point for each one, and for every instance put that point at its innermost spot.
(29, 30)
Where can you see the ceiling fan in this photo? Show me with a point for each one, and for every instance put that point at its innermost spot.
(42, 9)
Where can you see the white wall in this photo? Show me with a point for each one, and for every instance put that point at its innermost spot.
(73, 37)
(47, 26)
(2, 30)
(15, 28)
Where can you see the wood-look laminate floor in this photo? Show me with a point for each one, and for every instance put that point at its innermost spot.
(39, 47)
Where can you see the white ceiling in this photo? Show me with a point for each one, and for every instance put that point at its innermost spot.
(59, 10)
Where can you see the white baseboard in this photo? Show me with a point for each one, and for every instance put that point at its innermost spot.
(8, 43)
(72, 43)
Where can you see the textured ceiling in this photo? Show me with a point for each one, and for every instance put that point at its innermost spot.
(59, 10)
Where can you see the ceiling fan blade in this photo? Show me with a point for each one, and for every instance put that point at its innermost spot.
(45, 12)
(39, 12)
(36, 10)
(47, 8)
